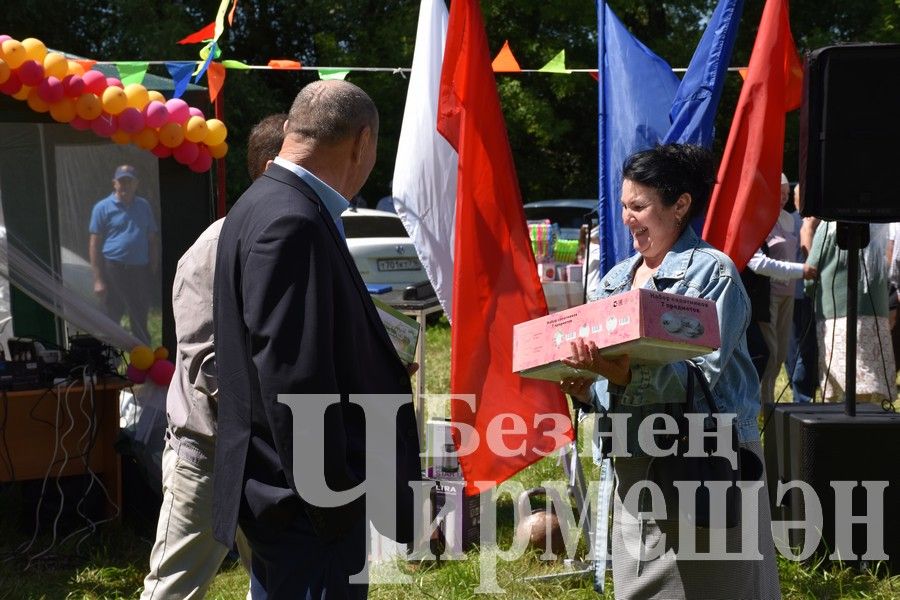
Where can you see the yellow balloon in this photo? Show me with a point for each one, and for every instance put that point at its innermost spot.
(36, 103)
(121, 137)
(114, 100)
(14, 53)
(22, 94)
(219, 151)
(56, 65)
(161, 353)
(154, 95)
(195, 129)
(137, 96)
(171, 135)
(88, 107)
(4, 71)
(146, 138)
(35, 49)
(63, 111)
(217, 132)
(142, 357)
(75, 68)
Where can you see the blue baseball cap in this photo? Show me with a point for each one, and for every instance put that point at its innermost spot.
(125, 171)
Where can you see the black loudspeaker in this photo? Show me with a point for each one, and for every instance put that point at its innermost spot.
(829, 447)
(849, 133)
(778, 447)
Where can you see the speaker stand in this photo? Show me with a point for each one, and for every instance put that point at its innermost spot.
(851, 237)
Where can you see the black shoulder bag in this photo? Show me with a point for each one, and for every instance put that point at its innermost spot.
(713, 466)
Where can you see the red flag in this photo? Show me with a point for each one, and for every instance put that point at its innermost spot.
(746, 201)
(202, 35)
(215, 78)
(495, 276)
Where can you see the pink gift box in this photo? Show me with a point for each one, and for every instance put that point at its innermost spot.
(650, 327)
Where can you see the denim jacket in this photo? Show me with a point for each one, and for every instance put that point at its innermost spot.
(691, 268)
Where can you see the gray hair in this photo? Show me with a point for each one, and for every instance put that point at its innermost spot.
(328, 111)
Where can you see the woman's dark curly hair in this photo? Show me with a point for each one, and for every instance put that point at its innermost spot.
(672, 170)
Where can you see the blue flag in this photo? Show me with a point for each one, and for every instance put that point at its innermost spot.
(181, 75)
(635, 95)
(694, 108)
(642, 103)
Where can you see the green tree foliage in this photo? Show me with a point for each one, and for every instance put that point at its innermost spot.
(551, 119)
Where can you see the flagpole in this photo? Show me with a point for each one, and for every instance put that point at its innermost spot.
(602, 199)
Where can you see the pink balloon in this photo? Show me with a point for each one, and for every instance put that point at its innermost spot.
(161, 372)
(187, 152)
(73, 85)
(105, 125)
(51, 90)
(161, 151)
(94, 82)
(114, 82)
(12, 85)
(80, 124)
(135, 375)
(31, 73)
(4, 37)
(179, 111)
(195, 112)
(131, 120)
(155, 114)
(203, 162)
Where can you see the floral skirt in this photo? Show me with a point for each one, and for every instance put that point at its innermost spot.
(874, 359)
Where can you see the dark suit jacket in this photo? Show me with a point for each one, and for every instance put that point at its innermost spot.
(292, 316)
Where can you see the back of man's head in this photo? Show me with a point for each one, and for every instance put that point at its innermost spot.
(264, 143)
(330, 111)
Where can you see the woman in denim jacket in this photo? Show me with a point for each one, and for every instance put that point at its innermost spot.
(663, 189)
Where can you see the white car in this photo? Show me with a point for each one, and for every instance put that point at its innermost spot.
(381, 248)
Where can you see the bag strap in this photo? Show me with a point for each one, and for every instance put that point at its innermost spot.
(694, 373)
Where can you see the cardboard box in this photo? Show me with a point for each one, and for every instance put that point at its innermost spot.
(461, 524)
(441, 461)
(650, 327)
(402, 329)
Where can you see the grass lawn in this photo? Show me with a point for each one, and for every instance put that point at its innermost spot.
(112, 561)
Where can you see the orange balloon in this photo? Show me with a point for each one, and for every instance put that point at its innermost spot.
(55, 65)
(35, 49)
(4, 71)
(161, 353)
(154, 95)
(217, 132)
(36, 103)
(63, 111)
(114, 100)
(171, 135)
(14, 53)
(75, 68)
(219, 151)
(120, 137)
(137, 96)
(195, 129)
(88, 107)
(22, 94)
(146, 138)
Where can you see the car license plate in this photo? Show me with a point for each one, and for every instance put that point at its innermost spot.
(398, 264)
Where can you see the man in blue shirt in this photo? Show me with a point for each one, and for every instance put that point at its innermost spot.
(124, 252)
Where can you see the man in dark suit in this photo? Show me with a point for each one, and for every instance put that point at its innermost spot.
(292, 316)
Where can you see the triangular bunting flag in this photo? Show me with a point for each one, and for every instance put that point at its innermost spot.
(211, 51)
(231, 13)
(132, 72)
(333, 73)
(200, 36)
(743, 73)
(235, 64)
(181, 74)
(215, 79)
(505, 62)
(86, 63)
(290, 65)
(595, 75)
(557, 64)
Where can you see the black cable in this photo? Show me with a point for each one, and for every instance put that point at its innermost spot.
(886, 404)
(7, 459)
